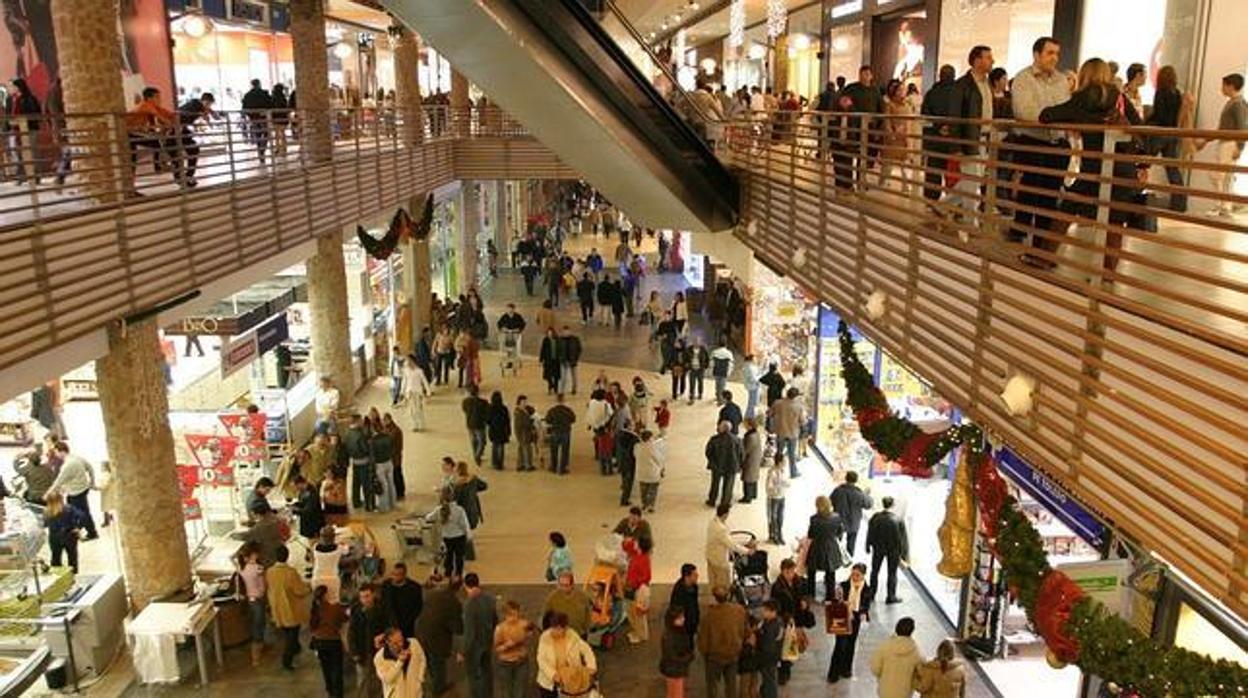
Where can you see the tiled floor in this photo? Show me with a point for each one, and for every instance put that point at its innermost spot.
(520, 508)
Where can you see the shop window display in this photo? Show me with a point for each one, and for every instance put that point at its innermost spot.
(781, 322)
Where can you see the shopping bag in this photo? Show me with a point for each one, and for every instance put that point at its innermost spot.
(836, 618)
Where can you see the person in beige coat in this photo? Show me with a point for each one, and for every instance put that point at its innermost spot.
(289, 603)
(400, 665)
(944, 676)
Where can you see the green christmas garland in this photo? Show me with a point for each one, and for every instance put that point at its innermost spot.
(1076, 627)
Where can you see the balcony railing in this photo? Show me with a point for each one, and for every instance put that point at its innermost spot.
(122, 234)
(1129, 312)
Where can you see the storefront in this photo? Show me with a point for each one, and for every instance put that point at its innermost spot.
(895, 37)
(781, 316)
(223, 54)
(803, 52)
(444, 242)
(1009, 28)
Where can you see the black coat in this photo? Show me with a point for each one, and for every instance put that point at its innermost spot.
(402, 604)
(571, 346)
(687, 598)
(308, 507)
(585, 291)
(440, 621)
(968, 103)
(775, 386)
(498, 424)
(864, 602)
(941, 100)
(849, 501)
(886, 534)
(825, 552)
(724, 454)
(363, 627)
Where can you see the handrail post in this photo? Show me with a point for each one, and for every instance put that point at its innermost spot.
(987, 228)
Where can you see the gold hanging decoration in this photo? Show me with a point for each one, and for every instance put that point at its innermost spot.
(957, 532)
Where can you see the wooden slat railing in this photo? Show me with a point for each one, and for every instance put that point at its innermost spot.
(1139, 344)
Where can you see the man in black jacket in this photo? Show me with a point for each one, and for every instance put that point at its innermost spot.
(440, 621)
(697, 359)
(861, 97)
(886, 539)
(571, 345)
(685, 595)
(724, 456)
(402, 599)
(849, 501)
(365, 633)
(605, 291)
(257, 103)
(511, 321)
(939, 101)
(774, 383)
(585, 294)
(972, 99)
(476, 410)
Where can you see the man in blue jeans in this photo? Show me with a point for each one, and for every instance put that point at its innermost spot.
(475, 411)
(360, 452)
(559, 420)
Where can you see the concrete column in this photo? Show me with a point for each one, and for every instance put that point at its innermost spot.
(307, 33)
(502, 230)
(331, 326)
(407, 86)
(90, 70)
(135, 404)
(780, 63)
(461, 105)
(471, 226)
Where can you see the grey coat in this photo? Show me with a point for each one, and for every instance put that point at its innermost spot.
(751, 467)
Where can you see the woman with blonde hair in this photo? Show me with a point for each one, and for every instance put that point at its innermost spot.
(64, 522)
(826, 550)
(944, 676)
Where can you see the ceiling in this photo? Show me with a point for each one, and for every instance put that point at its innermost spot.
(649, 16)
(358, 12)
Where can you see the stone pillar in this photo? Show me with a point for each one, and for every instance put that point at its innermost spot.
(461, 105)
(780, 64)
(407, 87)
(307, 33)
(331, 326)
(471, 226)
(135, 404)
(90, 69)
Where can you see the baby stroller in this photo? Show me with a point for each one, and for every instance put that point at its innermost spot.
(509, 345)
(750, 583)
(605, 587)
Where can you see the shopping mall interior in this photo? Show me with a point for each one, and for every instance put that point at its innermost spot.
(953, 293)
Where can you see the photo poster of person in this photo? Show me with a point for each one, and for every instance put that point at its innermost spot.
(28, 47)
(897, 49)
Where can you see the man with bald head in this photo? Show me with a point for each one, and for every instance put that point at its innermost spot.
(724, 456)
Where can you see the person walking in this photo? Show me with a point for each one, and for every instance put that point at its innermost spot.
(849, 501)
(729, 411)
(895, 660)
(774, 382)
(676, 652)
(752, 460)
(721, 361)
(770, 646)
(359, 451)
(415, 389)
(1034, 88)
(400, 664)
(824, 532)
(944, 676)
(857, 595)
(401, 598)
(724, 456)
(1167, 108)
(565, 663)
(476, 413)
(777, 488)
(511, 651)
(617, 304)
(1233, 120)
(257, 105)
(787, 416)
(570, 602)
(585, 295)
(455, 529)
(651, 455)
(75, 480)
(288, 597)
(696, 361)
(526, 433)
(788, 593)
(559, 421)
(498, 426)
(569, 357)
(598, 421)
(551, 358)
(440, 621)
(626, 441)
(720, 547)
(887, 540)
(750, 376)
(480, 621)
(325, 623)
(721, 636)
(444, 351)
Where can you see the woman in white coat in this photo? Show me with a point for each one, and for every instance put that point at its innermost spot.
(651, 457)
(415, 390)
(565, 662)
(400, 664)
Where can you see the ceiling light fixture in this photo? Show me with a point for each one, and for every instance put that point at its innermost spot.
(736, 24)
(777, 17)
(342, 51)
(196, 26)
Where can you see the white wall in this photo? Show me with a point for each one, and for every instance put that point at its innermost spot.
(1224, 53)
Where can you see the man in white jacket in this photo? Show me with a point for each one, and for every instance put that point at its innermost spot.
(895, 660)
(719, 544)
(400, 664)
(651, 456)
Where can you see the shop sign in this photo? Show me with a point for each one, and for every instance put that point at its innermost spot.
(789, 312)
(1104, 581)
(229, 326)
(238, 353)
(273, 333)
(1056, 499)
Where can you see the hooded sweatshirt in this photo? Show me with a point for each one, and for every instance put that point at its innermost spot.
(893, 663)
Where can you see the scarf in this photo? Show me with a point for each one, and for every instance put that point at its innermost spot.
(855, 595)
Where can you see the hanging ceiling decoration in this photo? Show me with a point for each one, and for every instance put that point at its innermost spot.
(777, 17)
(736, 24)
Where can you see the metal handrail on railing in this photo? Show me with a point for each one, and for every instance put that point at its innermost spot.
(995, 257)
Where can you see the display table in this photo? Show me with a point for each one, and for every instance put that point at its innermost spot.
(214, 558)
(155, 632)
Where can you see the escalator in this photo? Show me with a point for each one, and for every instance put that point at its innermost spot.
(553, 66)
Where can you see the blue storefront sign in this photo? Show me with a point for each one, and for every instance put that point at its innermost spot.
(1053, 496)
(273, 333)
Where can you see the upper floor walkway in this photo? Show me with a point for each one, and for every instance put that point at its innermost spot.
(1122, 302)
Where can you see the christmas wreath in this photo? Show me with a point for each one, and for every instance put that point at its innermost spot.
(402, 228)
(1076, 628)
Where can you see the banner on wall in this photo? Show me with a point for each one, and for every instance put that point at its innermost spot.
(238, 353)
(188, 480)
(1053, 496)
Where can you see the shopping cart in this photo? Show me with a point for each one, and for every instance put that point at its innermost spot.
(420, 537)
(509, 344)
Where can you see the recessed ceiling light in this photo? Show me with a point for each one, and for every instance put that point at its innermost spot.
(694, 6)
(663, 26)
(676, 16)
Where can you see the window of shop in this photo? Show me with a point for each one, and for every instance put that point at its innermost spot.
(226, 59)
(1151, 32)
(844, 52)
(781, 320)
(1008, 28)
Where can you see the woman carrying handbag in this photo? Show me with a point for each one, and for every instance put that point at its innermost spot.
(845, 616)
